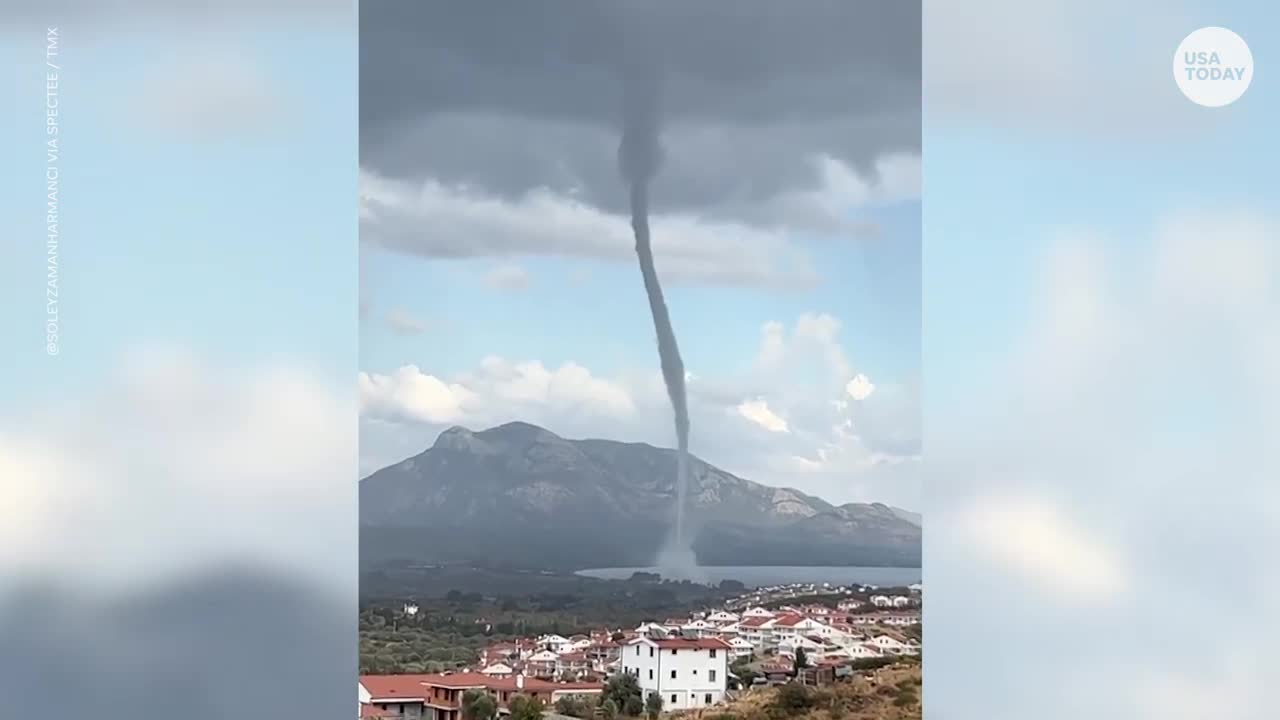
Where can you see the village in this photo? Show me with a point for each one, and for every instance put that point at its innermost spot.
(759, 638)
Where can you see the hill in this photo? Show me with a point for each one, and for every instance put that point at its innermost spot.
(521, 496)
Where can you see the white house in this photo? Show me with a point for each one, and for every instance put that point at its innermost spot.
(685, 673)
(811, 646)
(499, 669)
(543, 663)
(556, 643)
(890, 644)
(740, 648)
(757, 612)
(901, 601)
(881, 600)
(864, 650)
(756, 630)
(722, 617)
(790, 626)
(701, 628)
(410, 609)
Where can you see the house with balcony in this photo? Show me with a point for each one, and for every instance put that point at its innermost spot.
(439, 696)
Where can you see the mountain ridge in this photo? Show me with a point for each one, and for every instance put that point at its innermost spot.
(517, 490)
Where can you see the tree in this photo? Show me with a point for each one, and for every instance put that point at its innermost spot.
(478, 705)
(802, 659)
(609, 709)
(624, 691)
(653, 705)
(574, 707)
(524, 707)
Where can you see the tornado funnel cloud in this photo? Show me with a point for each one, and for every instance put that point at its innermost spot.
(638, 158)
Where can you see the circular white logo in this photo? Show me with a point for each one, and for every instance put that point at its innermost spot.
(1213, 67)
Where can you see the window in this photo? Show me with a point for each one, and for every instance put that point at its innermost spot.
(695, 672)
(673, 698)
(711, 675)
(673, 674)
(650, 651)
(673, 651)
(638, 650)
(713, 652)
(650, 673)
(707, 698)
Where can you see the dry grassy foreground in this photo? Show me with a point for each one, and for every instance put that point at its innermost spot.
(890, 693)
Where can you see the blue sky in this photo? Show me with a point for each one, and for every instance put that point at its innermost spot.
(237, 243)
(208, 280)
(1098, 451)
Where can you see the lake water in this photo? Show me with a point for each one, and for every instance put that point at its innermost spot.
(772, 575)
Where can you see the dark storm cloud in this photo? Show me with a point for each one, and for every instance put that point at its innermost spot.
(512, 96)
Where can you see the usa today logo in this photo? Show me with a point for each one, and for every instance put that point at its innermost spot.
(1213, 67)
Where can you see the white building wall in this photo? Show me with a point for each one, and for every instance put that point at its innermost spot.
(693, 685)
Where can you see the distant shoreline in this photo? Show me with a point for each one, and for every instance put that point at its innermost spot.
(760, 575)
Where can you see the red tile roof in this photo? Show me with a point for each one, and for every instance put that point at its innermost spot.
(754, 621)
(394, 687)
(789, 620)
(692, 644)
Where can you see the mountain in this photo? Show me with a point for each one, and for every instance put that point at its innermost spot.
(912, 517)
(521, 496)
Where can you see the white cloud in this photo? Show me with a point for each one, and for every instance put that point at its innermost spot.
(815, 336)
(510, 278)
(1033, 539)
(409, 394)
(860, 387)
(201, 457)
(490, 394)
(758, 412)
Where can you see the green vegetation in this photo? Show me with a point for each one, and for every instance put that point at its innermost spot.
(572, 706)
(478, 705)
(525, 708)
(621, 698)
(746, 674)
(653, 705)
(624, 692)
